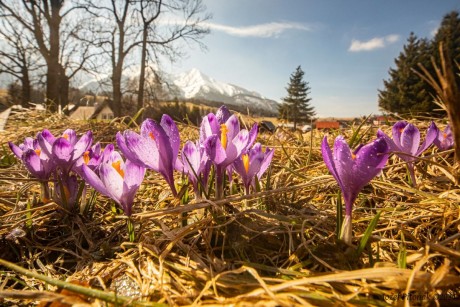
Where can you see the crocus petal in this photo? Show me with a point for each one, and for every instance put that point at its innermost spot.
(266, 162)
(209, 126)
(112, 181)
(397, 131)
(191, 160)
(169, 126)
(93, 180)
(15, 149)
(330, 161)
(46, 141)
(83, 144)
(141, 150)
(70, 135)
(253, 134)
(233, 127)
(410, 141)
(369, 161)
(214, 149)
(33, 164)
(223, 114)
(431, 135)
(134, 174)
(62, 150)
(391, 144)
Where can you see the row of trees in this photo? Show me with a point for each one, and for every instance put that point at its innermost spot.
(51, 42)
(405, 91)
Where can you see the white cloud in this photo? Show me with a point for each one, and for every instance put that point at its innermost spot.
(272, 29)
(372, 44)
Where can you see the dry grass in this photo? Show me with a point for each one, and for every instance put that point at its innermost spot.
(274, 248)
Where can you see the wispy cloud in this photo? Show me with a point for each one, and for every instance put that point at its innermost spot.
(265, 30)
(372, 44)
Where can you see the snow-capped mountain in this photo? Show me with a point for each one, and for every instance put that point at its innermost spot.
(196, 85)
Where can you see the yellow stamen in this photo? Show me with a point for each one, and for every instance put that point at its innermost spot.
(117, 166)
(38, 151)
(353, 156)
(66, 136)
(151, 136)
(401, 130)
(444, 135)
(223, 135)
(86, 157)
(245, 158)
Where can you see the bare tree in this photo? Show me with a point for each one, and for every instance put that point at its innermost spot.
(54, 26)
(189, 27)
(18, 58)
(129, 24)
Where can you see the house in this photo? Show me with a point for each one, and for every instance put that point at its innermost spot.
(327, 125)
(100, 111)
(383, 120)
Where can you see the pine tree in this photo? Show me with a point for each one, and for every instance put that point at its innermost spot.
(405, 91)
(449, 34)
(296, 106)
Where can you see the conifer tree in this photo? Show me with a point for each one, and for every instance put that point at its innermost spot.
(449, 34)
(296, 106)
(405, 91)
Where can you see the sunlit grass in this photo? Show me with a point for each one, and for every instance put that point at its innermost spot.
(275, 247)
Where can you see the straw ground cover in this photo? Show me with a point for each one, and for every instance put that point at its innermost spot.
(276, 247)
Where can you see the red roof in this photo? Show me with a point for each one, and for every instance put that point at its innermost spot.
(327, 125)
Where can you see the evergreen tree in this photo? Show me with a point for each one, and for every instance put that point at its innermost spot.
(405, 91)
(296, 106)
(449, 34)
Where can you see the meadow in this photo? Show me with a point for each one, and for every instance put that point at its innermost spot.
(275, 246)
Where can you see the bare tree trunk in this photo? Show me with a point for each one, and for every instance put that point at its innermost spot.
(140, 94)
(117, 95)
(26, 88)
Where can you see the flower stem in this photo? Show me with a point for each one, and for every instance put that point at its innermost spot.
(220, 173)
(346, 234)
(410, 167)
(45, 191)
(130, 230)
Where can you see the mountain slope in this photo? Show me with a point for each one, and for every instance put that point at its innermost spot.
(194, 85)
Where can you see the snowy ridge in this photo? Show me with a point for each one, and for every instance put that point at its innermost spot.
(196, 85)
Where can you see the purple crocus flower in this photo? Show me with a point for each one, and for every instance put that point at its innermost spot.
(196, 165)
(406, 142)
(37, 162)
(224, 143)
(156, 147)
(353, 170)
(444, 140)
(66, 149)
(117, 179)
(254, 162)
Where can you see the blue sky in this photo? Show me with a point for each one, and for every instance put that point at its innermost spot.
(344, 47)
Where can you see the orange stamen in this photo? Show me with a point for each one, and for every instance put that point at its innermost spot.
(353, 156)
(117, 166)
(245, 158)
(223, 135)
(86, 157)
(444, 135)
(38, 151)
(66, 136)
(151, 136)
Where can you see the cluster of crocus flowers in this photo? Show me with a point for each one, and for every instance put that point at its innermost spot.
(353, 170)
(405, 143)
(222, 144)
(50, 158)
